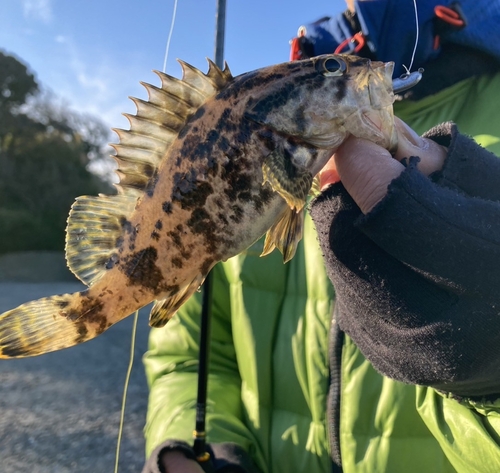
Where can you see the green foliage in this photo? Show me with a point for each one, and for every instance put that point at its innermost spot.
(45, 150)
(16, 83)
(19, 231)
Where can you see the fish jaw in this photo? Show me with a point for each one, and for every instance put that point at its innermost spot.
(374, 119)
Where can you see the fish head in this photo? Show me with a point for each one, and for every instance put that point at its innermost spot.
(323, 100)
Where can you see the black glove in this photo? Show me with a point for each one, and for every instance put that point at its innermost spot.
(417, 278)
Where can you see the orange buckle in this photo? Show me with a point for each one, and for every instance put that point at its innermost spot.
(450, 16)
(358, 37)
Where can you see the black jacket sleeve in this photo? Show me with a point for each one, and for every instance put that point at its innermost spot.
(468, 169)
(224, 458)
(416, 279)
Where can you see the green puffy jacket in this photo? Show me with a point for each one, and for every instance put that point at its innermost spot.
(269, 371)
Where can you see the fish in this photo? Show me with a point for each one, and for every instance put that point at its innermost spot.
(210, 163)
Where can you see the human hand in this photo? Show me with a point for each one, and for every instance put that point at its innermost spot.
(175, 462)
(366, 169)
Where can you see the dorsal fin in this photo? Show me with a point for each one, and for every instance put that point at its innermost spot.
(95, 224)
(159, 120)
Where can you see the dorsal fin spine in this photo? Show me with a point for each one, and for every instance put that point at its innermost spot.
(157, 114)
(163, 98)
(150, 128)
(219, 77)
(182, 89)
(197, 79)
(132, 138)
(132, 153)
(158, 121)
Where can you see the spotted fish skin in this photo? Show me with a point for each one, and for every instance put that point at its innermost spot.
(238, 162)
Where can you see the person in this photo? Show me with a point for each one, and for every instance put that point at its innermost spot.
(404, 376)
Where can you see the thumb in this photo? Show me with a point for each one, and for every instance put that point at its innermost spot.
(432, 155)
(366, 170)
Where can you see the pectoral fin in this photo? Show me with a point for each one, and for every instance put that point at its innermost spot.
(288, 180)
(315, 187)
(285, 234)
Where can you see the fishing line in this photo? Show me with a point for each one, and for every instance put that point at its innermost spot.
(136, 316)
(408, 69)
(125, 389)
(170, 36)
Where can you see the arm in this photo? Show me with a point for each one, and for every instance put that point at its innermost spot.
(445, 234)
(409, 321)
(409, 270)
(171, 368)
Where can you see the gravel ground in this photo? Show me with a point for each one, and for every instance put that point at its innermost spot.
(60, 412)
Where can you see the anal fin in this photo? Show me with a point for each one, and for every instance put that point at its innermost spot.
(285, 234)
(163, 310)
(288, 180)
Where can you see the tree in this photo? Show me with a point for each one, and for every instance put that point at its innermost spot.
(45, 152)
(16, 83)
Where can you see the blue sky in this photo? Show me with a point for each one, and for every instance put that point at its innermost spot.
(93, 53)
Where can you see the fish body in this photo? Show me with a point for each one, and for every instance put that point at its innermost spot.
(210, 164)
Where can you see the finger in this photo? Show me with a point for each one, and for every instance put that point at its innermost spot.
(328, 175)
(366, 170)
(432, 155)
(175, 462)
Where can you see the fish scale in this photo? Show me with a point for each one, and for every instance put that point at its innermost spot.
(211, 162)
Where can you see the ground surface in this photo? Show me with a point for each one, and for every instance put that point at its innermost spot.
(60, 412)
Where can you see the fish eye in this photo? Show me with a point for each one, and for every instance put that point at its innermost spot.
(333, 67)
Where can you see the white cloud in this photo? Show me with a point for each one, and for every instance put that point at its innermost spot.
(38, 9)
(88, 76)
(95, 86)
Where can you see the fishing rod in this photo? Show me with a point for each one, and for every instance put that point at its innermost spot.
(199, 434)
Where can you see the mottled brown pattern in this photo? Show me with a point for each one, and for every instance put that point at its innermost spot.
(141, 269)
(110, 264)
(206, 265)
(167, 207)
(177, 262)
(88, 313)
(150, 187)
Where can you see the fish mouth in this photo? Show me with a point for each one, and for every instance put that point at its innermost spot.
(376, 125)
(381, 124)
(379, 117)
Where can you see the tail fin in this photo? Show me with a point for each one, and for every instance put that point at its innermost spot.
(47, 325)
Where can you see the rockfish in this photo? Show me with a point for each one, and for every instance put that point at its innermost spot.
(210, 164)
